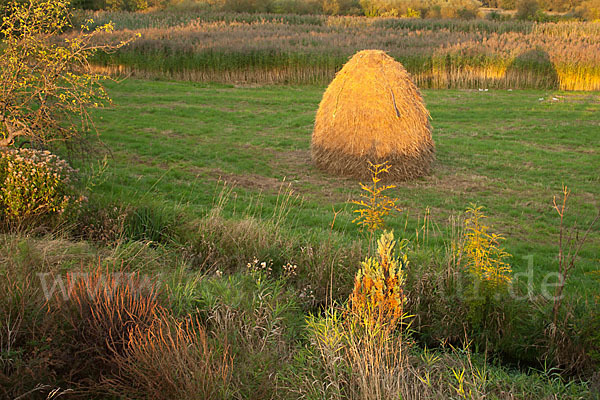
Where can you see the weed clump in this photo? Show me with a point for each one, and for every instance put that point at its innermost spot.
(481, 253)
(34, 185)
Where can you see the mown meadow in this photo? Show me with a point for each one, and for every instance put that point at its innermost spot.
(271, 48)
(183, 138)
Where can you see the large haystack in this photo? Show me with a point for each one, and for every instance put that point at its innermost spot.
(372, 111)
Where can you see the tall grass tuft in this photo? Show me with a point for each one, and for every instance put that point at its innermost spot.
(101, 308)
(171, 359)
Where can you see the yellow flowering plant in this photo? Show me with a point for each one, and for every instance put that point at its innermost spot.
(481, 253)
(377, 300)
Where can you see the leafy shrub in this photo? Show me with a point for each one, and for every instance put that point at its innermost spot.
(46, 86)
(34, 184)
(527, 9)
(590, 10)
(127, 5)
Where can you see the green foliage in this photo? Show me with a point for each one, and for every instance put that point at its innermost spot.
(34, 185)
(527, 9)
(375, 205)
(46, 88)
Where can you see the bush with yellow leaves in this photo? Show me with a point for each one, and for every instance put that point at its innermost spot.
(46, 84)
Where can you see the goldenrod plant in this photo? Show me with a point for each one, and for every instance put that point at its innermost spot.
(481, 253)
(375, 204)
(46, 85)
(377, 300)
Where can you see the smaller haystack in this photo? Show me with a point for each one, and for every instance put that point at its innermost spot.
(372, 111)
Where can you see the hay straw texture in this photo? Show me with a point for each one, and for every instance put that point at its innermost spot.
(372, 111)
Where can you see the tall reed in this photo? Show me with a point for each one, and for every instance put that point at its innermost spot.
(254, 48)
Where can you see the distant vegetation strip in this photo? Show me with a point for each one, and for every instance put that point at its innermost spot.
(268, 48)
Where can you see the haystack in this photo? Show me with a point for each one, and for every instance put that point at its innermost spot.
(372, 111)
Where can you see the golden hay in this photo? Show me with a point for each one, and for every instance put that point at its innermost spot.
(372, 111)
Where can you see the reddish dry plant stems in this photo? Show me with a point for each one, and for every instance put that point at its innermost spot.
(172, 359)
(569, 245)
(103, 306)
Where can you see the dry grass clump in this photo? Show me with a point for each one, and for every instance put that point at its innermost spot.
(171, 360)
(373, 112)
(101, 309)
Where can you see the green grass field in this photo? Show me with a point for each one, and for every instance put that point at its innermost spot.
(509, 151)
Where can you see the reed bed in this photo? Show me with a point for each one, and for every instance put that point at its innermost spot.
(254, 48)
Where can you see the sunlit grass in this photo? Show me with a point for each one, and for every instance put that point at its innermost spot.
(507, 151)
